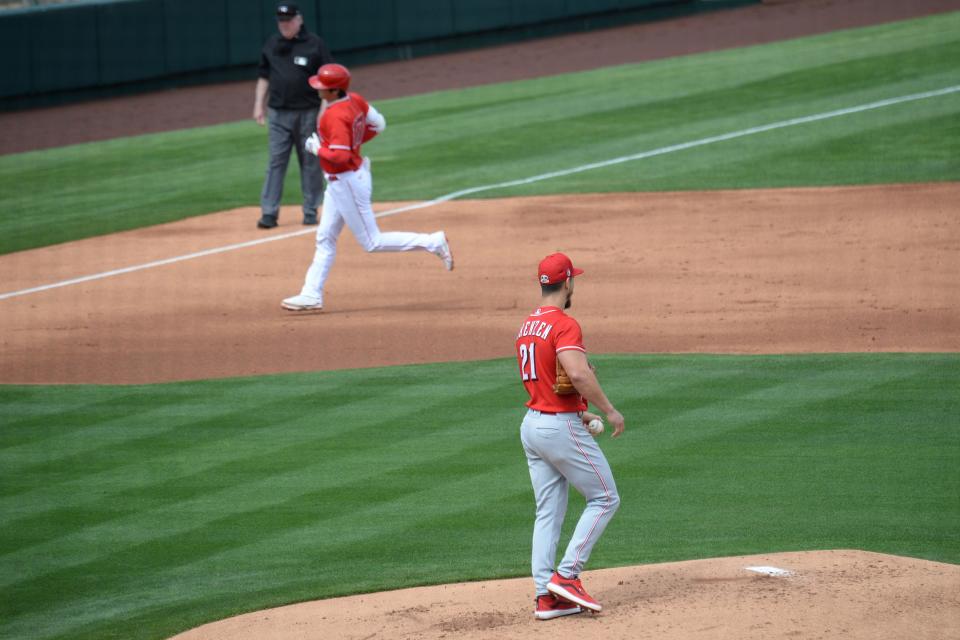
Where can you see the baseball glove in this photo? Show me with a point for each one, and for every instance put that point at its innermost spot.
(563, 386)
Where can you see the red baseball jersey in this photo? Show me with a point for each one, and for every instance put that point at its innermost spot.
(342, 129)
(545, 333)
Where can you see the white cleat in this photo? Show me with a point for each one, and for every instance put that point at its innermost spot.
(445, 253)
(302, 303)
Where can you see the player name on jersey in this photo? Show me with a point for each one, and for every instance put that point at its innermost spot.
(537, 328)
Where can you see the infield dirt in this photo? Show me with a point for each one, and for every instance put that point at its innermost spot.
(852, 595)
(754, 271)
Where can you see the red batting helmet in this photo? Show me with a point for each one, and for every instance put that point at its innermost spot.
(331, 76)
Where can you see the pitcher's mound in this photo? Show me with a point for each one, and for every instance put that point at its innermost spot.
(823, 594)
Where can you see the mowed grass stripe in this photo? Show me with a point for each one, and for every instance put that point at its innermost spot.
(187, 503)
(605, 126)
(449, 141)
(896, 143)
(185, 483)
(33, 421)
(107, 442)
(322, 530)
(724, 455)
(199, 473)
(256, 413)
(913, 147)
(785, 75)
(801, 475)
(35, 511)
(625, 114)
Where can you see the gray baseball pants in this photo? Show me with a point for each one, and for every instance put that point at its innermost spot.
(287, 129)
(560, 452)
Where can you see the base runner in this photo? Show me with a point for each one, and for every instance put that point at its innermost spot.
(347, 122)
(559, 449)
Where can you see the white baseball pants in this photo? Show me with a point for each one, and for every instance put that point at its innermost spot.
(347, 201)
(560, 452)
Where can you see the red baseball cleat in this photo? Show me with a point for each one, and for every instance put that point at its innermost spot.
(550, 607)
(571, 590)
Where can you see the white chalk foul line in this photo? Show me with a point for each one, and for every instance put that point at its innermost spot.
(150, 265)
(682, 146)
(513, 183)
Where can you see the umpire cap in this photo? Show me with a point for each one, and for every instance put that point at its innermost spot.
(287, 11)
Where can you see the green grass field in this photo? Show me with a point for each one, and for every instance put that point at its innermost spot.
(443, 142)
(141, 511)
(138, 511)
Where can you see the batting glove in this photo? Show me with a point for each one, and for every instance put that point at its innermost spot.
(312, 145)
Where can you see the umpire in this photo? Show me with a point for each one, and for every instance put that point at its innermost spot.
(288, 58)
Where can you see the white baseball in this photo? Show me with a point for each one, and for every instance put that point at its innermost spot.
(595, 426)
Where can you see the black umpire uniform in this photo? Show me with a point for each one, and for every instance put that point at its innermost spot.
(286, 63)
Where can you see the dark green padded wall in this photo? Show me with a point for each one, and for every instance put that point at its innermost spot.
(131, 42)
(359, 23)
(116, 44)
(424, 19)
(17, 76)
(196, 34)
(63, 48)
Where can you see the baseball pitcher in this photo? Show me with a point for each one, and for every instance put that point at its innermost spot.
(557, 435)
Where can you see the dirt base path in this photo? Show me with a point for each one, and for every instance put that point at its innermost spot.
(781, 271)
(853, 595)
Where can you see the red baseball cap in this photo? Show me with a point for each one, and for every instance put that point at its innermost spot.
(555, 268)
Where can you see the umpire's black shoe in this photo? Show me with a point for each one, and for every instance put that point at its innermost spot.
(266, 222)
(310, 220)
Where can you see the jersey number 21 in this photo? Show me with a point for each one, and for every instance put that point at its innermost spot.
(528, 363)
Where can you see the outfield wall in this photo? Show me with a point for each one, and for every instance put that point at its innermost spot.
(57, 53)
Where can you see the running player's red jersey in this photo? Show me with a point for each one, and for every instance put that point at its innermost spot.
(342, 129)
(546, 332)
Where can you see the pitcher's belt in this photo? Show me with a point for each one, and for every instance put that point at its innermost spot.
(557, 413)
